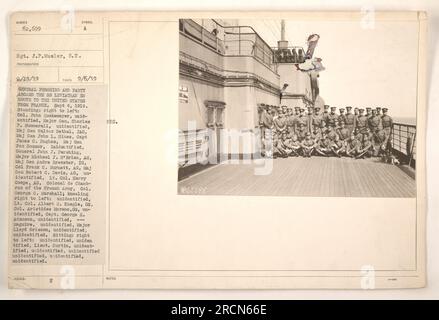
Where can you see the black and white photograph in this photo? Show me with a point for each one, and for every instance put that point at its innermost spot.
(297, 108)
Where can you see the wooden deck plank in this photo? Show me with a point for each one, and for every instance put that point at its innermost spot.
(317, 176)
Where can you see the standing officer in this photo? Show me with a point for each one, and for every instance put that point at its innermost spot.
(350, 120)
(378, 109)
(361, 121)
(379, 142)
(342, 116)
(266, 120)
(280, 123)
(387, 123)
(316, 120)
(290, 121)
(325, 113)
(356, 114)
(309, 114)
(343, 132)
(308, 145)
(374, 121)
(368, 112)
(302, 124)
(332, 117)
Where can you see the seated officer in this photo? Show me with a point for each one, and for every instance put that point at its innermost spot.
(316, 134)
(283, 145)
(292, 145)
(295, 145)
(366, 148)
(379, 141)
(323, 147)
(359, 135)
(343, 132)
(307, 145)
(277, 148)
(353, 147)
(302, 130)
(338, 147)
(331, 132)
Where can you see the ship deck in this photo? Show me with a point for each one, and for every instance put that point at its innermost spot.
(316, 176)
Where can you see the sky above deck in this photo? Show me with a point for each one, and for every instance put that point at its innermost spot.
(365, 67)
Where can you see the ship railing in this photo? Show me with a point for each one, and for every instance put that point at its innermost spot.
(403, 141)
(197, 32)
(193, 147)
(245, 41)
(205, 66)
(238, 40)
(294, 54)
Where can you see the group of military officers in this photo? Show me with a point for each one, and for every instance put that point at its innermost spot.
(358, 134)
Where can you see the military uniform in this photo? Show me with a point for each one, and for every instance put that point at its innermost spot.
(378, 113)
(308, 145)
(302, 125)
(280, 124)
(342, 116)
(387, 123)
(266, 122)
(338, 147)
(350, 120)
(290, 122)
(379, 142)
(331, 119)
(295, 145)
(366, 146)
(331, 133)
(302, 130)
(353, 147)
(368, 113)
(316, 120)
(361, 122)
(374, 122)
(344, 133)
(325, 114)
(316, 135)
(324, 146)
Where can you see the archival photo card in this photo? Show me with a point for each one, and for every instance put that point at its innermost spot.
(217, 150)
(281, 107)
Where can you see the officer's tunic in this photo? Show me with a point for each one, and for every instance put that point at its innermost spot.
(387, 123)
(332, 117)
(350, 122)
(374, 123)
(362, 123)
(344, 133)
